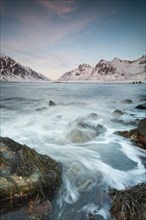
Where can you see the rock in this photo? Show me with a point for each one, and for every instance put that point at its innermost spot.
(78, 136)
(138, 135)
(127, 101)
(117, 113)
(51, 103)
(142, 106)
(93, 216)
(142, 127)
(92, 116)
(100, 129)
(128, 204)
(143, 98)
(41, 109)
(25, 173)
(39, 208)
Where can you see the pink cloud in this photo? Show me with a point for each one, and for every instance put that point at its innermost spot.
(58, 7)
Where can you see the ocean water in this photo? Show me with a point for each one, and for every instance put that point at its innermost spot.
(79, 133)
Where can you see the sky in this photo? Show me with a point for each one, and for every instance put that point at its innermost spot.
(55, 36)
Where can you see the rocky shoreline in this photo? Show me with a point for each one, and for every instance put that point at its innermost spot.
(27, 177)
(30, 179)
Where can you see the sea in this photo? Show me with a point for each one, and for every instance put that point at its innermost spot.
(79, 131)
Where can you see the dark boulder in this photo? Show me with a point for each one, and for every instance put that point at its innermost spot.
(25, 173)
(127, 101)
(51, 103)
(142, 106)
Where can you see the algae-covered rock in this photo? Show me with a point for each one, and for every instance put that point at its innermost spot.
(24, 172)
(129, 204)
(137, 135)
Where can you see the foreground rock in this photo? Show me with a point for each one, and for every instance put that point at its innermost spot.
(137, 135)
(51, 103)
(129, 204)
(142, 106)
(25, 173)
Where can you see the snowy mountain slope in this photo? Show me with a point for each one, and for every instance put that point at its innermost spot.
(81, 73)
(12, 71)
(108, 71)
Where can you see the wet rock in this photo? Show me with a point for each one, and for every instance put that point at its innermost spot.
(51, 103)
(142, 106)
(41, 109)
(126, 122)
(95, 129)
(128, 204)
(100, 129)
(142, 127)
(39, 208)
(81, 130)
(78, 136)
(93, 216)
(143, 98)
(92, 116)
(117, 113)
(24, 172)
(127, 101)
(137, 135)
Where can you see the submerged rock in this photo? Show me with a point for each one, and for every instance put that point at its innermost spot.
(92, 116)
(78, 136)
(142, 106)
(137, 135)
(129, 204)
(142, 127)
(41, 109)
(24, 172)
(117, 113)
(51, 103)
(82, 130)
(127, 101)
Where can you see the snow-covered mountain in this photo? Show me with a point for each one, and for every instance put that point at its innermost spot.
(109, 71)
(81, 73)
(12, 71)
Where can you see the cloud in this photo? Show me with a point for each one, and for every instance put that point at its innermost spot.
(58, 7)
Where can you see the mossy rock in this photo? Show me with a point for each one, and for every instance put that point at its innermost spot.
(24, 172)
(137, 135)
(129, 204)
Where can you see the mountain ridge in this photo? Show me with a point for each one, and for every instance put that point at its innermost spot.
(109, 71)
(12, 71)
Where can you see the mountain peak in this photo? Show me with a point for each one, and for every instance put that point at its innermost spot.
(109, 71)
(13, 71)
